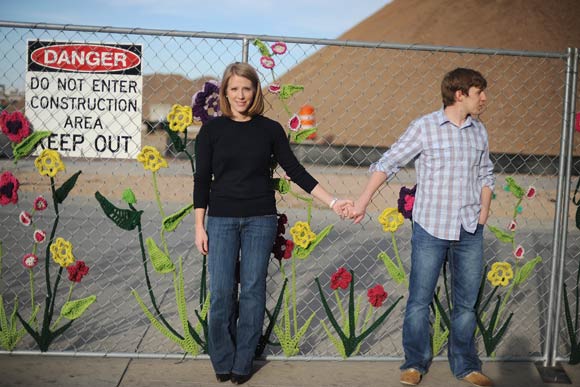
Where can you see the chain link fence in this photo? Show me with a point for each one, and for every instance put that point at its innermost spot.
(364, 95)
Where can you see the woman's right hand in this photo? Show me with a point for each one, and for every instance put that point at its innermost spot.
(201, 240)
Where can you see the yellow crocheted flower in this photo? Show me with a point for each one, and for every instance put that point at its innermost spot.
(500, 274)
(180, 117)
(302, 235)
(151, 158)
(391, 219)
(49, 163)
(61, 251)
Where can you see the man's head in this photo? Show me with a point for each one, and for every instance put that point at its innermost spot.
(460, 80)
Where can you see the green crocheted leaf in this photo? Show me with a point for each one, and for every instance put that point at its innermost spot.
(160, 327)
(161, 262)
(287, 91)
(514, 188)
(262, 47)
(129, 196)
(439, 335)
(392, 268)
(63, 191)
(75, 309)
(300, 136)
(26, 146)
(171, 222)
(281, 185)
(188, 344)
(526, 270)
(303, 253)
(501, 235)
(126, 219)
(336, 342)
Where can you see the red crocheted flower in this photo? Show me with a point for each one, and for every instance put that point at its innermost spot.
(340, 279)
(77, 271)
(8, 188)
(294, 123)
(513, 225)
(519, 253)
(29, 261)
(531, 192)
(40, 204)
(377, 296)
(288, 250)
(14, 125)
(279, 48)
(39, 236)
(25, 218)
(406, 201)
(267, 62)
(274, 87)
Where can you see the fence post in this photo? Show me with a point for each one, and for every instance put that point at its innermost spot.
(245, 49)
(561, 217)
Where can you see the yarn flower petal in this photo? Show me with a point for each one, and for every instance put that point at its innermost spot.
(302, 234)
(377, 295)
(294, 123)
(391, 219)
(49, 163)
(206, 102)
(267, 62)
(340, 279)
(61, 251)
(179, 118)
(29, 261)
(39, 236)
(500, 274)
(14, 125)
(279, 48)
(25, 218)
(40, 203)
(9, 185)
(151, 159)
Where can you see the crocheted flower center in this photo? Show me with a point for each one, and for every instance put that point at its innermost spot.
(14, 126)
(7, 189)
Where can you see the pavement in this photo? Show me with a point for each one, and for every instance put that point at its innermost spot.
(34, 370)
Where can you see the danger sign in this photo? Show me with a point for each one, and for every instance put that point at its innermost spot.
(88, 95)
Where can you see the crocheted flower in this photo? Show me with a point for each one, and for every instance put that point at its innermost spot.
(377, 295)
(40, 203)
(39, 236)
(279, 48)
(294, 123)
(531, 192)
(288, 249)
(282, 221)
(267, 62)
(274, 87)
(406, 201)
(340, 279)
(519, 253)
(500, 274)
(151, 158)
(49, 163)
(512, 226)
(179, 118)
(14, 125)
(29, 261)
(77, 271)
(25, 218)
(391, 219)
(302, 234)
(9, 185)
(61, 251)
(206, 102)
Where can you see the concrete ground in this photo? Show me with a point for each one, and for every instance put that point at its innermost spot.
(64, 371)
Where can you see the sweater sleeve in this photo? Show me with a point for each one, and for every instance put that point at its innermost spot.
(289, 162)
(203, 171)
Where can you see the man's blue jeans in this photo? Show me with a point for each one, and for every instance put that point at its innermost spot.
(466, 267)
(232, 344)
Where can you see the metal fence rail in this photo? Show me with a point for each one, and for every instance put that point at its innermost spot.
(365, 94)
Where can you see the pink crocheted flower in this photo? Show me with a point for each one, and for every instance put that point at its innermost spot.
(279, 48)
(77, 271)
(14, 125)
(377, 295)
(29, 261)
(267, 62)
(531, 192)
(39, 236)
(340, 279)
(294, 123)
(25, 218)
(519, 253)
(512, 226)
(8, 188)
(40, 203)
(274, 87)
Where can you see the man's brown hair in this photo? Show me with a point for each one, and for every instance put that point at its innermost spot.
(460, 79)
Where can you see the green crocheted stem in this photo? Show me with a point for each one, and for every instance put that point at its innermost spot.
(571, 328)
(9, 334)
(160, 327)
(399, 262)
(71, 287)
(490, 339)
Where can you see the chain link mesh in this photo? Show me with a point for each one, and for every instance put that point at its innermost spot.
(364, 99)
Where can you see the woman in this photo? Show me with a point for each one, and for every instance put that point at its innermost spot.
(232, 181)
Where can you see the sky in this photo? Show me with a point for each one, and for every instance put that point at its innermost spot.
(326, 19)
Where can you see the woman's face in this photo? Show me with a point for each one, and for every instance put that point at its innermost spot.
(240, 94)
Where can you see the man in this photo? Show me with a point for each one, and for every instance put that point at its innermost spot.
(454, 187)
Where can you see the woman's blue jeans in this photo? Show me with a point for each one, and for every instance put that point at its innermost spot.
(232, 344)
(466, 267)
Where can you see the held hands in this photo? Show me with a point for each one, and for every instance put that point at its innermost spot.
(348, 209)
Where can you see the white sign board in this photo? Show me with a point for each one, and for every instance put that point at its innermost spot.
(88, 95)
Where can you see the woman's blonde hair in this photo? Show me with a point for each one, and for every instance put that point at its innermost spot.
(242, 70)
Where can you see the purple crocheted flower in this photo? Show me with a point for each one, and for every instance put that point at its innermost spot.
(206, 102)
(406, 201)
